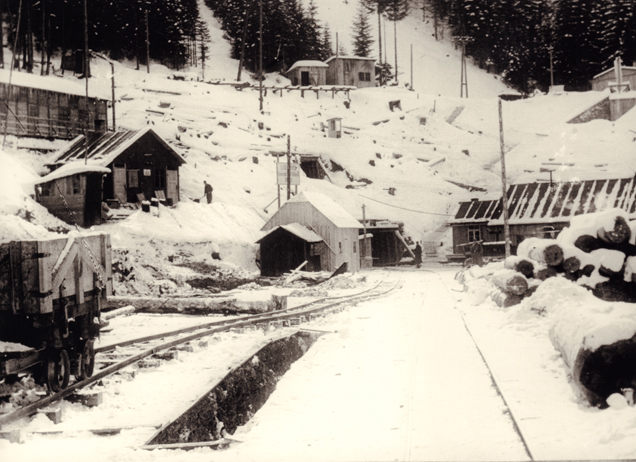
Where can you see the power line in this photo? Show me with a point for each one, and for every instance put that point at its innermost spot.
(408, 210)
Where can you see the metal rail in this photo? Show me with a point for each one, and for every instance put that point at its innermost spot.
(209, 330)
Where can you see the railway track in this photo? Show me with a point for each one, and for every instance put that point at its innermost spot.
(151, 345)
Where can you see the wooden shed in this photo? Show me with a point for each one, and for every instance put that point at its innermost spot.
(308, 72)
(135, 166)
(609, 77)
(351, 70)
(337, 228)
(387, 243)
(539, 209)
(286, 247)
(48, 107)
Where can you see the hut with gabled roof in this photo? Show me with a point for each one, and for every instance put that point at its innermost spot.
(115, 167)
(308, 72)
(338, 230)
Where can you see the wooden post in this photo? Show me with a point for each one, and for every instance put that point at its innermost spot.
(288, 167)
(363, 250)
(86, 74)
(247, 17)
(147, 45)
(15, 43)
(504, 197)
(260, 56)
(42, 40)
(395, 43)
(277, 185)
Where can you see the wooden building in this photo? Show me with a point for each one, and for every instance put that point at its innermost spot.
(308, 73)
(351, 70)
(609, 78)
(286, 247)
(540, 209)
(324, 217)
(48, 107)
(118, 168)
(387, 242)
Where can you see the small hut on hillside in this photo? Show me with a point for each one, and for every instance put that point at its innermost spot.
(117, 168)
(388, 245)
(351, 70)
(308, 72)
(325, 219)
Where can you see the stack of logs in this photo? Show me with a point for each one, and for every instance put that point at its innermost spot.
(597, 251)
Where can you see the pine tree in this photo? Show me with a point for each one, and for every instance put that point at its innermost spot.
(379, 6)
(326, 44)
(618, 34)
(362, 40)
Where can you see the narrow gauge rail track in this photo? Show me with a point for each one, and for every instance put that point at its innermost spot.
(204, 330)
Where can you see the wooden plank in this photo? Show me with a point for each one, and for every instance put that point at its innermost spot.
(186, 446)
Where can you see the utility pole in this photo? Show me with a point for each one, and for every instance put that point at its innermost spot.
(43, 37)
(288, 167)
(86, 74)
(15, 42)
(504, 188)
(551, 69)
(395, 44)
(411, 66)
(147, 46)
(247, 18)
(260, 55)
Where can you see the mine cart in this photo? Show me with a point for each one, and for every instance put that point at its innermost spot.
(51, 294)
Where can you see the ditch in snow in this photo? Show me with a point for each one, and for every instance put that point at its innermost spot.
(235, 400)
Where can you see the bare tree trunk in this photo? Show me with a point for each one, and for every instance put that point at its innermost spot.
(395, 42)
(43, 41)
(380, 34)
(1, 38)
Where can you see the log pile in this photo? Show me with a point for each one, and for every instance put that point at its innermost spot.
(597, 251)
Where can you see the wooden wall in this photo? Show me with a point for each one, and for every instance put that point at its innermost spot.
(73, 188)
(317, 75)
(343, 71)
(145, 167)
(341, 243)
(36, 112)
(602, 82)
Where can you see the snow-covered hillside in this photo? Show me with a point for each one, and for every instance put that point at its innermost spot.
(430, 152)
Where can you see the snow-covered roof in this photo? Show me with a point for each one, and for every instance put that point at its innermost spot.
(331, 210)
(104, 149)
(611, 69)
(307, 63)
(296, 229)
(542, 203)
(72, 168)
(350, 57)
(49, 83)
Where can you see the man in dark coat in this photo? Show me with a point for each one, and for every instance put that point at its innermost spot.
(418, 255)
(207, 191)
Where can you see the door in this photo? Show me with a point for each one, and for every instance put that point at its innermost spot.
(304, 78)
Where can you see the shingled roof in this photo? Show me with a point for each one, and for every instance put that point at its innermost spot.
(531, 203)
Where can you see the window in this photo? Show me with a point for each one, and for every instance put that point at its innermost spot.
(364, 76)
(160, 178)
(339, 247)
(474, 233)
(355, 247)
(75, 184)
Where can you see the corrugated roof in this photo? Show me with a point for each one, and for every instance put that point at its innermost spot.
(542, 203)
(331, 210)
(296, 229)
(350, 57)
(104, 149)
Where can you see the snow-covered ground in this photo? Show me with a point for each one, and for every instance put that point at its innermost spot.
(400, 379)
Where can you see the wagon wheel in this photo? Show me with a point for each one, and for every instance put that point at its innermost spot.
(58, 370)
(87, 361)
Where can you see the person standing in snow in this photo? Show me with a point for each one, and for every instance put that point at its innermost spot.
(477, 253)
(207, 191)
(418, 255)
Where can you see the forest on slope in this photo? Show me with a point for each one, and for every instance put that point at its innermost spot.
(520, 40)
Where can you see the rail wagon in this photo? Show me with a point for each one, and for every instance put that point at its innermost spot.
(51, 294)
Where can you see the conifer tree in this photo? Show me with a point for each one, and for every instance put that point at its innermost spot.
(326, 43)
(362, 40)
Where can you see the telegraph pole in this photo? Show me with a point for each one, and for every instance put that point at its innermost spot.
(288, 167)
(463, 40)
(504, 196)
(147, 45)
(551, 69)
(86, 74)
(260, 59)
